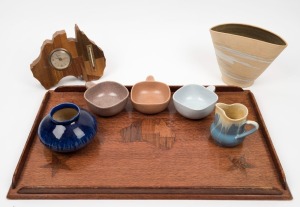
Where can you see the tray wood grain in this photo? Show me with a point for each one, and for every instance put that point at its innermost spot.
(162, 156)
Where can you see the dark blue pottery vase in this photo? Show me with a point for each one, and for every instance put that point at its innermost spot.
(67, 128)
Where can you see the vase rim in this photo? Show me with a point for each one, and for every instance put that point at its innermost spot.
(68, 118)
(241, 30)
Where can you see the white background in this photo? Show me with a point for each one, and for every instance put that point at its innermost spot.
(168, 39)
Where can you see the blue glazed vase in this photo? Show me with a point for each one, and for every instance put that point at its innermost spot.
(67, 128)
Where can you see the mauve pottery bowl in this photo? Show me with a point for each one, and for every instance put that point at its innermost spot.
(150, 96)
(195, 101)
(106, 98)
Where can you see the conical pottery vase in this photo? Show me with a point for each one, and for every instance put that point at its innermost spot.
(244, 52)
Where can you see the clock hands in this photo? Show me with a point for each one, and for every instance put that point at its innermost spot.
(60, 58)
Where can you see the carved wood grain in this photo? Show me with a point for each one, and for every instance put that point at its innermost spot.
(80, 67)
(83, 41)
(130, 158)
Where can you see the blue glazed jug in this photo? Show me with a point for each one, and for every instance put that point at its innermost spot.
(228, 128)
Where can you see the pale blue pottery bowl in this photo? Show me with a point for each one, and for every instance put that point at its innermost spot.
(67, 128)
(195, 101)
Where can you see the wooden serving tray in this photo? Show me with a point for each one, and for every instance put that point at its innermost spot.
(162, 156)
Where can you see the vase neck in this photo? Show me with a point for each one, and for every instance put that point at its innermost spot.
(65, 113)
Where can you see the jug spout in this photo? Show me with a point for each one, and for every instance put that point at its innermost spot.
(232, 113)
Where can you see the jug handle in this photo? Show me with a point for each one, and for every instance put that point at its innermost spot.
(246, 133)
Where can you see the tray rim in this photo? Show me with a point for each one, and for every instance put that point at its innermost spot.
(286, 195)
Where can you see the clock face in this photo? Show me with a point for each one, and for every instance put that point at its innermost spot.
(60, 58)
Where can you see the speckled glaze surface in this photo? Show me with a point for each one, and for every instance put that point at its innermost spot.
(228, 128)
(244, 52)
(67, 128)
(150, 96)
(106, 98)
(195, 101)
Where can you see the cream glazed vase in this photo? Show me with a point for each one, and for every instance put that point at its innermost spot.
(244, 52)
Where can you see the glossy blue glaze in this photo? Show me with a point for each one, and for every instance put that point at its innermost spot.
(226, 137)
(70, 134)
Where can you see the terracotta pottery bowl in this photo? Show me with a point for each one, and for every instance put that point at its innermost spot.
(195, 101)
(150, 96)
(106, 98)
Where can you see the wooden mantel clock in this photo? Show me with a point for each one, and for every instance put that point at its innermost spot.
(62, 56)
